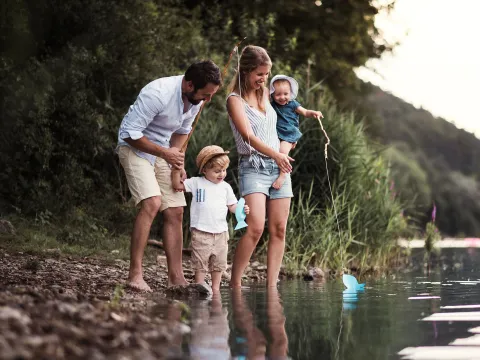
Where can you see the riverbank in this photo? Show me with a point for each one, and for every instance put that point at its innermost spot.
(58, 306)
(62, 307)
(70, 302)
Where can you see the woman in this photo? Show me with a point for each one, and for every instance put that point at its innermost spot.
(253, 122)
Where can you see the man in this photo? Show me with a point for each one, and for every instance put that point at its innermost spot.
(149, 141)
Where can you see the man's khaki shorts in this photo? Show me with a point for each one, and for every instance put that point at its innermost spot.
(209, 251)
(145, 180)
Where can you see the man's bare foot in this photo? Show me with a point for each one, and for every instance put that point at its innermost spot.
(277, 184)
(139, 285)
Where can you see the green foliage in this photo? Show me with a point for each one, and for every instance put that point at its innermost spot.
(335, 37)
(185, 311)
(63, 105)
(118, 293)
(431, 236)
(369, 214)
(432, 161)
(70, 69)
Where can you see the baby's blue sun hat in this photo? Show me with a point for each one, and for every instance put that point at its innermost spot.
(292, 81)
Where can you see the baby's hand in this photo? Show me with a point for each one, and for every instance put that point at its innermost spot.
(316, 114)
(246, 209)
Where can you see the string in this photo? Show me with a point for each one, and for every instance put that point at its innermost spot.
(331, 191)
(342, 260)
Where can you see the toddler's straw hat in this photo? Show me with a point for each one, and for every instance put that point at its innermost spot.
(208, 153)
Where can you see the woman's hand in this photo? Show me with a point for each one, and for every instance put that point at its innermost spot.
(283, 162)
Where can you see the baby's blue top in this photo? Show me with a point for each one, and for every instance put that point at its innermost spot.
(287, 121)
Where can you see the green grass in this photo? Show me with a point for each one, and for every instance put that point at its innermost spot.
(35, 237)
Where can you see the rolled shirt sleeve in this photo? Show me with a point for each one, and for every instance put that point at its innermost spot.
(147, 105)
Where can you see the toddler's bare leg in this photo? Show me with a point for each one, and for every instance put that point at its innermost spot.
(216, 279)
(285, 148)
(199, 277)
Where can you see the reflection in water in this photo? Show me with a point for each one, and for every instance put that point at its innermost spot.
(251, 342)
(210, 331)
(323, 322)
(350, 299)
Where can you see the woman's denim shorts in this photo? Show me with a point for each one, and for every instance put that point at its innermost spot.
(252, 181)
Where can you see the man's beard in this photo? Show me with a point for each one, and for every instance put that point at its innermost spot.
(190, 97)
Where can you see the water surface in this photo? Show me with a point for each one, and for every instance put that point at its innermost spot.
(313, 320)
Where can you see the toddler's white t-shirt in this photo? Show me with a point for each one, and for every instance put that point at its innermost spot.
(209, 204)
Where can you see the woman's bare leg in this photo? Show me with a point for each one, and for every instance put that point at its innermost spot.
(248, 242)
(278, 210)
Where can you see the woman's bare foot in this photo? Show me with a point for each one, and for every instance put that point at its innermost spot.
(235, 285)
(280, 180)
(139, 285)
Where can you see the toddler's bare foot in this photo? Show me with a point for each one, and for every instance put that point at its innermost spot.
(139, 285)
(279, 182)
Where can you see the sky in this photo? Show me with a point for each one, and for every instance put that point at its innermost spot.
(437, 64)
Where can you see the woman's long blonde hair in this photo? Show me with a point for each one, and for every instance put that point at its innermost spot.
(251, 58)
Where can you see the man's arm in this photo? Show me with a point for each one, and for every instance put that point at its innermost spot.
(148, 104)
(173, 156)
(177, 140)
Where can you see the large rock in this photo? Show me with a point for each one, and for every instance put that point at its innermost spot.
(6, 227)
(314, 273)
(191, 290)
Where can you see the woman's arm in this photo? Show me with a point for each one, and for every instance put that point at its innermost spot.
(242, 124)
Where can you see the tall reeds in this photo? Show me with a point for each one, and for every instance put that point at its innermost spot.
(369, 214)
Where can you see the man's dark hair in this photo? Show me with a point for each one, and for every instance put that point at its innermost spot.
(203, 72)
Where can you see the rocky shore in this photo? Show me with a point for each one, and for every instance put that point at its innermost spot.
(54, 306)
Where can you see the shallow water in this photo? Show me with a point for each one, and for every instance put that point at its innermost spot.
(313, 320)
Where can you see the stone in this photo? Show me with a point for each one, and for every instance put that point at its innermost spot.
(308, 277)
(55, 252)
(255, 264)
(161, 259)
(203, 290)
(7, 313)
(6, 227)
(318, 273)
(314, 273)
(226, 276)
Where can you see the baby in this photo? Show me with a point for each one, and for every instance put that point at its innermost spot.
(211, 199)
(283, 91)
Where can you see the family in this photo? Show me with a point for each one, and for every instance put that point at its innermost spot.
(265, 125)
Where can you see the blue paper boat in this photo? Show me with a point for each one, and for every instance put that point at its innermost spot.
(240, 214)
(352, 284)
